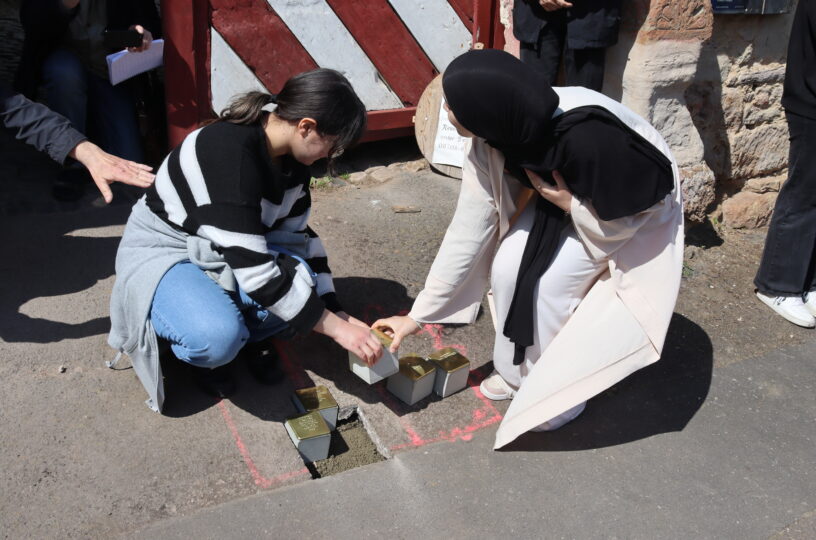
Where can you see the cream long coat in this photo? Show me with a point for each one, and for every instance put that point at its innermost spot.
(621, 324)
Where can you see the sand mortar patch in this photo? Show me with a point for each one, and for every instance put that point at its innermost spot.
(351, 447)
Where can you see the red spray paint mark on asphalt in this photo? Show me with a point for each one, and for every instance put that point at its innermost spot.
(482, 417)
(298, 378)
(259, 479)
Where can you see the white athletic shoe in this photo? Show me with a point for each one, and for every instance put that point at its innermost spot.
(790, 307)
(496, 388)
(561, 419)
(810, 302)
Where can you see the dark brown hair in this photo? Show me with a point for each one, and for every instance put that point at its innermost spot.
(322, 94)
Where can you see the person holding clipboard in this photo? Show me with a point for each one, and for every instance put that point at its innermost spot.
(65, 50)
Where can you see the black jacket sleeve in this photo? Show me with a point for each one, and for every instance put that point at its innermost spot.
(589, 23)
(37, 125)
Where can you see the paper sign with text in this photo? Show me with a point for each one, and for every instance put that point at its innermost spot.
(449, 146)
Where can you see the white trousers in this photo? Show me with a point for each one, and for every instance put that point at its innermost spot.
(558, 293)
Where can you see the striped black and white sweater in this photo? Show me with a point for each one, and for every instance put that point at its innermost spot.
(222, 185)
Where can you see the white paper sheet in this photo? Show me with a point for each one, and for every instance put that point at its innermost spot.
(449, 146)
(124, 64)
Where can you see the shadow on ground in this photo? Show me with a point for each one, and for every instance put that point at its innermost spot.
(661, 398)
(314, 352)
(368, 299)
(49, 262)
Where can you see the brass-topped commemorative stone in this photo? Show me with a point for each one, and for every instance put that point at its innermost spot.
(310, 435)
(452, 373)
(317, 398)
(414, 380)
(385, 367)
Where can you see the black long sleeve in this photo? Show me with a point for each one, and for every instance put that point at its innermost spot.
(799, 95)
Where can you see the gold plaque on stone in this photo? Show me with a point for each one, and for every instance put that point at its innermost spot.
(308, 426)
(315, 398)
(383, 337)
(449, 360)
(415, 367)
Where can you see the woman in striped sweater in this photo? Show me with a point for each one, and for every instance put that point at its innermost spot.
(218, 253)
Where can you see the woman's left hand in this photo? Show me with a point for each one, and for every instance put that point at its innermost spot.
(558, 194)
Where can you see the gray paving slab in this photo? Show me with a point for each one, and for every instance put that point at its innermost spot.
(85, 457)
(741, 468)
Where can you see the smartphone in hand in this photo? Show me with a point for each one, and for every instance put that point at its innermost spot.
(122, 39)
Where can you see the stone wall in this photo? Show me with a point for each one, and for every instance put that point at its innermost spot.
(711, 84)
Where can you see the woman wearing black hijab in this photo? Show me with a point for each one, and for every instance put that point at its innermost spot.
(569, 202)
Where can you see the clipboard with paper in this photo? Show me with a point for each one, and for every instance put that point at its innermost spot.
(124, 64)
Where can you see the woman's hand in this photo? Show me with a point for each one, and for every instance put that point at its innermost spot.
(147, 38)
(553, 5)
(397, 328)
(558, 194)
(355, 338)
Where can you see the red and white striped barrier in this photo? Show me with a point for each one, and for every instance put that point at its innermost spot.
(389, 50)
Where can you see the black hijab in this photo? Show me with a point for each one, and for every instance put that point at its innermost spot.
(603, 161)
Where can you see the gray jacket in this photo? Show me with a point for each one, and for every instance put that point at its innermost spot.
(149, 248)
(37, 125)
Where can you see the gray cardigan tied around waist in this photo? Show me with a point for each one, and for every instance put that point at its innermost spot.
(149, 248)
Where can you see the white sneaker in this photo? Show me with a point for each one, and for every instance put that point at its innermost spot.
(810, 302)
(496, 388)
(561, 419)
(790, 307)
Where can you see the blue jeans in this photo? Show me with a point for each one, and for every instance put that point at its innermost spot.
(81, 96)
(205, 324)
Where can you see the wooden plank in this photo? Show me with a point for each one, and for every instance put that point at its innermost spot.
(437, 28)
(487, 27)
(261, 39)
(185, 59)
(389, 45)
(323, 35)
(426, 122)
(393, 119)
(229, 75)
(464, 8)
(389, 124)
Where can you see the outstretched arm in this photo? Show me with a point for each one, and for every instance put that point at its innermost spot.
(106, 169)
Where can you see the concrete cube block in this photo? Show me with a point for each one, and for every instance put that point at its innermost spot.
(414, 381)
(311, 436)
(317, 398)
(386, 366)
(452, 370)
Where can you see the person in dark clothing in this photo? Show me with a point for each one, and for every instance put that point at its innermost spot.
(786, 279)
(578, 33)
(64, 51)
(37, 125)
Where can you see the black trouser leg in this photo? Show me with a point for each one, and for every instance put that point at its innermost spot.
(788, 261)
(545, 54)
(585, 67)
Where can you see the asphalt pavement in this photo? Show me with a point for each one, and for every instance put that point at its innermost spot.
(687, 447)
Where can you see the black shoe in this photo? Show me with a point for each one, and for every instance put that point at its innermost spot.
(215, 382)
(70, 185)
(263, 362)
